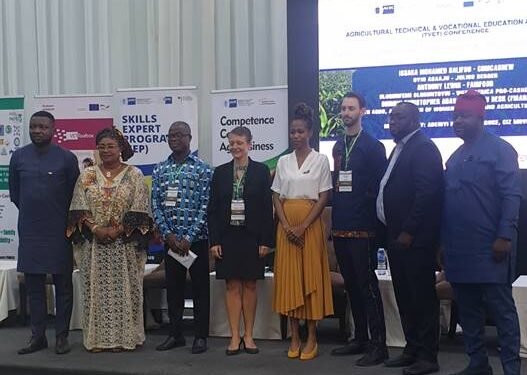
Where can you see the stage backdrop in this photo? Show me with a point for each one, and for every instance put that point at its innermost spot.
(11, 122)
(145, 115)
(263, 110)
(78, 118)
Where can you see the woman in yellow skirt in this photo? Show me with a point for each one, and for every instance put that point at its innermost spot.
(301, 189)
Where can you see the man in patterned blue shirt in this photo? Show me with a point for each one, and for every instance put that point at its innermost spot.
(180, 194)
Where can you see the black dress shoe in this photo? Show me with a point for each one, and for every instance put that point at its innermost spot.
(353, 347)
(373, 357)
(199, 345)
(475, 371)
(35, 344)
(421, 367)
(62, 345)
(235, 351)
(171, 342)
(402, 360)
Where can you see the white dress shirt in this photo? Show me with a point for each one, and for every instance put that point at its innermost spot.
(395, 155)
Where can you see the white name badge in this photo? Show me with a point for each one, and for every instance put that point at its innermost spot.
(238, 211)
(171, 197)
(345, 180)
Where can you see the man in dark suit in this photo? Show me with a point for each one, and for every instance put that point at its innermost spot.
(409, 204)
(42, 176)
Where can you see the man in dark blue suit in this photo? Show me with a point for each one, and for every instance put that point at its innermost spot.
(482, 202)
(41, 180)
(409, 204)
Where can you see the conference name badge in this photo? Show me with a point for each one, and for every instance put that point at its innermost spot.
(345, 182)
(171, 197)
(237, 211)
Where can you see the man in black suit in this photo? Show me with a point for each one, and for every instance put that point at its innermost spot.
(409, 204)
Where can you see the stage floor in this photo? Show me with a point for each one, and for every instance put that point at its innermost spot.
(271, 360)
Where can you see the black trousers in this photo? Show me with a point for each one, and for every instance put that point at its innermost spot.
(413, 276)
(176, 276)
(357, 262)
(38, 310)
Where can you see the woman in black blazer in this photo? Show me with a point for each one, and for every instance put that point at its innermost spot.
(241, 231)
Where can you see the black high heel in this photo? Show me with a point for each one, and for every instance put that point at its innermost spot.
(250, 350)
(236, 351)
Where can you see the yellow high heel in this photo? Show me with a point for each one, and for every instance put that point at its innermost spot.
(292, 354)
(307, 356)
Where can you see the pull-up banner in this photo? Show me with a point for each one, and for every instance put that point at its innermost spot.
(262, 110)
(11, 123)
(145, 115)
(78, 118)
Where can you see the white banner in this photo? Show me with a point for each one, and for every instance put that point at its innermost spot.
(11, 123)
(262, 110)
(78, 118)
(414, 31)
(145, 115)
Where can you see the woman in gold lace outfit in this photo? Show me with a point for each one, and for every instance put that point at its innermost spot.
(109, 223)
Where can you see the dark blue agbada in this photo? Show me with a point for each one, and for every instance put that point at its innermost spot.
(482, 201)
(41, 186)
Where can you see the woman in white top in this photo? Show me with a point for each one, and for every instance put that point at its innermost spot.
(301, 189)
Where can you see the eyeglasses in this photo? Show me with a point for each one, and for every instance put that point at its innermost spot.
(177, 135)
(107, 147)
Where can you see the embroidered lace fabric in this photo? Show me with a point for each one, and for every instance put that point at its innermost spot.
(112, 274)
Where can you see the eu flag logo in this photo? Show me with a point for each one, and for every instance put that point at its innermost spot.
(388, 9)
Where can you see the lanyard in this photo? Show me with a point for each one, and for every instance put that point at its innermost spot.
(178, 172)
(348, 150)
(238, 182)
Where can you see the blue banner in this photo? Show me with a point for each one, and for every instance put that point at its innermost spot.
(434, 88)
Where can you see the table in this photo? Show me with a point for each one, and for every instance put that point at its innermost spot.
(8, 287)
(394, 329)
(519, 292)
(392, 319)
(267, 322)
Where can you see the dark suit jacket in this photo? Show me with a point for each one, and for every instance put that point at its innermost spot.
(258, 203)
(413, 195)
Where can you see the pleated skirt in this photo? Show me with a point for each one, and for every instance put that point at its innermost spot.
(302, 287)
